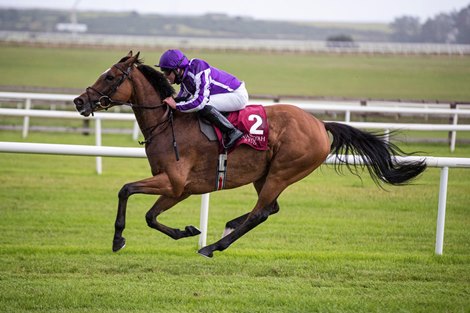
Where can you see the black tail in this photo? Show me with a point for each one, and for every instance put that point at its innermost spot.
(374, 151)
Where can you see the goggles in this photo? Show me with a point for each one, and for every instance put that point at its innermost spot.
(167, 71)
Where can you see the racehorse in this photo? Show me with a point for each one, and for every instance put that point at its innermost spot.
(298, 143)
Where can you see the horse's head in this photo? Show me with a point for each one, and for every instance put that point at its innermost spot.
(113, 87)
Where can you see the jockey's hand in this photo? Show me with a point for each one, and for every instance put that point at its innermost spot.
(171, 102)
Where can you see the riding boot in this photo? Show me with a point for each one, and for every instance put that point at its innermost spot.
(216, 118)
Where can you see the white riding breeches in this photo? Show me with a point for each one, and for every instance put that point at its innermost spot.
(232, 101)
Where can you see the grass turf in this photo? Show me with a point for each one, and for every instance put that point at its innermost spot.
(442, 78)
(338, 244)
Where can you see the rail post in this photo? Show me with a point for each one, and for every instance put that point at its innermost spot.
(27, 106)
(99, 159)
(441, 211)
(135, 131)
(347, 116)
(453, 136)
(204, 220)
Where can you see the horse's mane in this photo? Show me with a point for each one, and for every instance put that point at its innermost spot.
(155, 78)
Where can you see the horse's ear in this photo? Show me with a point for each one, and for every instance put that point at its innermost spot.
(137, 55)
(129, 54)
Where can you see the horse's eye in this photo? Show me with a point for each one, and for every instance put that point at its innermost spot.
(109, 77)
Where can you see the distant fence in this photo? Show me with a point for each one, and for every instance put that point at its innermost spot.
(453, 128)
(297, 46)
(59, 149)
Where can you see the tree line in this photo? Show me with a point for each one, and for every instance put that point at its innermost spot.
(451, 27)
(208, 25)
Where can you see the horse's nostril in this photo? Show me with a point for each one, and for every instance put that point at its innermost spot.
(78, 101)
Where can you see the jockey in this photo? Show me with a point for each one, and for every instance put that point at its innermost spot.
(204, 89)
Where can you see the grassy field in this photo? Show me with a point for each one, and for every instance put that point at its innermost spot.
(339, 244)
(359, 76)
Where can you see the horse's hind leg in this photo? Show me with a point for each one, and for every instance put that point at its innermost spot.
(164, 203)
(231, 225)
(254, 218)
(284, 171)
(263, 208)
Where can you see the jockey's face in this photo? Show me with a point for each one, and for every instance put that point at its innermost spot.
(171, 74)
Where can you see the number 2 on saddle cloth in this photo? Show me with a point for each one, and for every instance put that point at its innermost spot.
(252, 121)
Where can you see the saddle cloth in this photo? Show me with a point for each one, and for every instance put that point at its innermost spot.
(253, 122)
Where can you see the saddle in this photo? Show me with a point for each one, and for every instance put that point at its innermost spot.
(252, 121)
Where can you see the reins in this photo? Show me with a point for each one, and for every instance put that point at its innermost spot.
(150, 130)
(169, 119)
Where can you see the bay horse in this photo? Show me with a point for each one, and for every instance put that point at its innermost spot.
(298, 143)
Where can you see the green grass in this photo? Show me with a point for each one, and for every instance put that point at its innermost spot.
(443, 78)
(338, 244)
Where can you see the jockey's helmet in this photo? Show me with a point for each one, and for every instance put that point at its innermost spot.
(172, 59)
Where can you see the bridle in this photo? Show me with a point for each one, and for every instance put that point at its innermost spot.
(108, 102)
(105, 101)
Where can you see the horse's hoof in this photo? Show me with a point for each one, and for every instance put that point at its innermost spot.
(206, 252)
(118, 244)
(191, 231)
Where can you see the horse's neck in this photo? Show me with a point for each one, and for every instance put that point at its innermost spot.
(146, 96)
(148, 119)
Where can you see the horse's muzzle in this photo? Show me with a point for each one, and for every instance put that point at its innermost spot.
(83, 107)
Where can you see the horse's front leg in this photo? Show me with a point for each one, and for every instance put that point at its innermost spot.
(156, 185)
